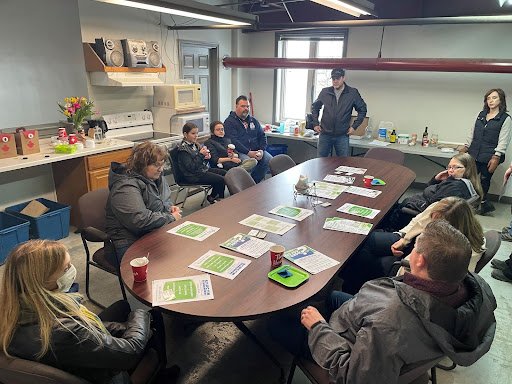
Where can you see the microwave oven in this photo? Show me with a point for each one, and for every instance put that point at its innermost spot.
(165, 120)
(180, 97)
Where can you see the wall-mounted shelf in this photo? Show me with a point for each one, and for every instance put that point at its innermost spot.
(103, 75)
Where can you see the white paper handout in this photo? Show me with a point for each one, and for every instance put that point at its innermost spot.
(345, 225)
(326, 190)
(290, 212)
(182, 290)
(351, 170)
(267, 224)
(247, 245)
(378, 143)
(310, 259)
(193, 230)
(358, 210)
(340, 179)
(220, 264)
(367, 192)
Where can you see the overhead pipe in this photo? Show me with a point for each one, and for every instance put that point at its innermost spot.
(382, 64)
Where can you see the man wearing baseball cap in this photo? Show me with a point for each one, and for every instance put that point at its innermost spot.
(338, 102)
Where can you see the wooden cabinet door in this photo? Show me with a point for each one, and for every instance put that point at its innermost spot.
(98, 179)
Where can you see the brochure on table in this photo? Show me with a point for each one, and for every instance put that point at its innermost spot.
(182, 290)
(358, 210)
(363, 191)
(351, 170)
(326, 190)
(220, 264)
(290, 212)
(345, 225)
(267, 224)
(340, 179)
(247, 245)
(193, 231)
(309, 259)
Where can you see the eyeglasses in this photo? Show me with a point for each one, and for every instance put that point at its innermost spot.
(454, 167)
(159, 165)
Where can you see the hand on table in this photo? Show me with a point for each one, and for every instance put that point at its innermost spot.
(443, 175)
(317, 128)
(310, 316)
(493, 163)
(396, 248)
(175, 211)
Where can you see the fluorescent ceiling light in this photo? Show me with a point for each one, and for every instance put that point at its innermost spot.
(185, 11)
(343, 7)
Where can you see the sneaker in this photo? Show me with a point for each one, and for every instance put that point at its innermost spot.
(506, 236)
(500, 275)
(505, 230)
(499, 264)
(485, 208)
(211, 199)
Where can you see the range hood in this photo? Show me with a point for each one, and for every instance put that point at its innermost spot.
(125, 79)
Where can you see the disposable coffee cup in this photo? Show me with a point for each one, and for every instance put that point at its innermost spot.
(368, 180)
(276, 255)
(140, 269)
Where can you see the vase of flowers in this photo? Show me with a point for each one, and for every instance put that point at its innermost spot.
(76, 110)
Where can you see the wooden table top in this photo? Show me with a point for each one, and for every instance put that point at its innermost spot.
(252, 294)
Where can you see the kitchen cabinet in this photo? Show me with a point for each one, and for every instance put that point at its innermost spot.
(75, 177)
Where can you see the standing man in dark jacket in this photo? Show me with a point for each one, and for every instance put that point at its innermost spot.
(248, 136)
(338, 102)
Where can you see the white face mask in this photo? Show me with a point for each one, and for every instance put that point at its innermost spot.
(66, 280)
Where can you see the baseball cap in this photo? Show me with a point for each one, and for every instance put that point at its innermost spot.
(336, 73)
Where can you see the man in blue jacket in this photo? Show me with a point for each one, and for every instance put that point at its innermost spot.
(248, 136)
(337, 102)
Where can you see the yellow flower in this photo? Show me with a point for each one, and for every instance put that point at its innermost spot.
(66, 113)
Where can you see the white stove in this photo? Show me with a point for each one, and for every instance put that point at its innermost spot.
(137, 126)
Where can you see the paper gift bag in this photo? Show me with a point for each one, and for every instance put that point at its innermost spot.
(7, 146)
(27, 141)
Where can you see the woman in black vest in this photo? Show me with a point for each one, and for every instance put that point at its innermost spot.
(488, 140)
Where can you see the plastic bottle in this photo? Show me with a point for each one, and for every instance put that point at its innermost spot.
(424, 140)
(392, 137)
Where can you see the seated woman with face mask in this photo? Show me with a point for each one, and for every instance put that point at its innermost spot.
(42, 323)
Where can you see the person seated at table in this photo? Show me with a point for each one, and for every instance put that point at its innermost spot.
(378, 253)
(43, 323)
(193, 164)
(223, 156)
(139, 199)
(438, 309)
(248, 136)
(460, 179)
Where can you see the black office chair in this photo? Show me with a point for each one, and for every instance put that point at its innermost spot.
(182, 184)
(280, 163)
(93, 220)
(386, 154)
(237, 179)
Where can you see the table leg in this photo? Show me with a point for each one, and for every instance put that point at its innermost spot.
(247, 332)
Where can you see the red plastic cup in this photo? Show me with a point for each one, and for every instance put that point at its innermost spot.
(140, 269)
(276, 255)
(368, 180)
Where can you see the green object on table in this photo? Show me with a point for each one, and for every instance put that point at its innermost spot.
(297, 276)
(378, 182)
(65, 148)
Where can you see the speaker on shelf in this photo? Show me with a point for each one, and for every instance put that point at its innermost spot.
(110, 51)
(154, 56)
(135, 53)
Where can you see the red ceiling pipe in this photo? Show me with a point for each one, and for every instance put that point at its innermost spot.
(424, 65)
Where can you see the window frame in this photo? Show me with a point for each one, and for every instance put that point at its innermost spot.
(314, 36)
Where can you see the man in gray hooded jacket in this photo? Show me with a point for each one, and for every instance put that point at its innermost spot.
(438, 309)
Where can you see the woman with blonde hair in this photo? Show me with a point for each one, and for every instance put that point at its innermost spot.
(43, 323)
(382, 249)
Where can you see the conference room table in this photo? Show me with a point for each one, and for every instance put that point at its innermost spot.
(252, 294)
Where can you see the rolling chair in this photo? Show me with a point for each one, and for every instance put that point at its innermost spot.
(237, 179)
(386, 154)
(182, 184)
(93, 220)
(280, 163)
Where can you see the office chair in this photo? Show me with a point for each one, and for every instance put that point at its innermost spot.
(182, 184)
(280, 163)
(237, 179)
(386, 154)
(93, 220)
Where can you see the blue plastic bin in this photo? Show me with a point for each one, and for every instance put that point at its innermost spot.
(13, 230)
(277, 149)
(53, 225)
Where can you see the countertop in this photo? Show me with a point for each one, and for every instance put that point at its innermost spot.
(48, 155)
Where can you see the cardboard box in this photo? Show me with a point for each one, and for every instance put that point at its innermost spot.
(27, 141)
(7, 146)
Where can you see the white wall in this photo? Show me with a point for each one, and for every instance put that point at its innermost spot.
(447, 103)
